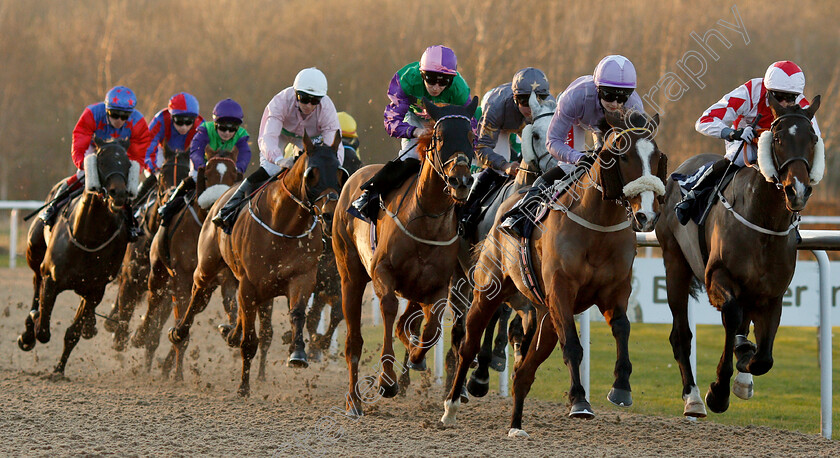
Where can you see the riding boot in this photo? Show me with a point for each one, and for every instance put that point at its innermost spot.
(390, 176)
(176, 201)
(686, 207)
(484, 183)
(228, 213)
(49, 215)
(134, 229)
(145, 187)
(516, 219)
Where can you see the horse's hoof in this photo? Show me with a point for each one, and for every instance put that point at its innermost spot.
(174, 336)
(224, 330)
(716, 405)
(34, 315)
(314, 354)
(388, 391)
(43, 335)
(619, 397)
(244, 391)
(478, 388)
(419, 367)
(298, 360)
(89, 331)
(354, 411)
(694, 406)
(24, 345)
(582, 409)
(514, 432)
(743, 386)
(138, 339)
(465, 397)
(450, 412)
(498, 363)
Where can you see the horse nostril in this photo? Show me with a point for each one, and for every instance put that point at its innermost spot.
(641, 218)
(808, 192)
(790, 192)
(469, 180)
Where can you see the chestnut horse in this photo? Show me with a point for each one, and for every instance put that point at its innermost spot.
(173, 258)
(134, 273)
(582, 254)
(83, 250)
(751, 253)
(271, 251)
(416, 250)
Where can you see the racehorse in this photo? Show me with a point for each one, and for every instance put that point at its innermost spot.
(173, 258)
(581, 254)
(535, 160)
(83, 250)
(134, 273)
(271, 251)
(416, 250)
(744, 254)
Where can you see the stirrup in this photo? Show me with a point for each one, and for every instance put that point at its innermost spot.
(510, 226)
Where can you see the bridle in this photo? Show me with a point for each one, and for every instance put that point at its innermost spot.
(433, 148)
(539, 159)
(775, 157)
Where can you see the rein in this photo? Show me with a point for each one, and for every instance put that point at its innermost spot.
(92, 250)
(741, 219)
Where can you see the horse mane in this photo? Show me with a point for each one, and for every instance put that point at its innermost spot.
(424, 142)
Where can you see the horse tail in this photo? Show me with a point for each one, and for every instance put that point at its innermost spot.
(695, 287)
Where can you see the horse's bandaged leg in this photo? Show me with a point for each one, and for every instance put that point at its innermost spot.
(133, 179)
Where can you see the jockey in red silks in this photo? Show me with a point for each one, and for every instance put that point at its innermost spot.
(733, 116)
(174, 127)
(115, 118)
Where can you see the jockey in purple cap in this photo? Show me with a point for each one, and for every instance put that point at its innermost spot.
(580, 107)
(434, 77)
(223, 133)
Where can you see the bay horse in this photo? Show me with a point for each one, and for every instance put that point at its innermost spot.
(535, 161)
(271, 251)
(134, 273)
(173, 257)
(83, 250)
(581, 254)
(750, 253)
(416, 250)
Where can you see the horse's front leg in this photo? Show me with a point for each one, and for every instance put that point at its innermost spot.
(499, 359)
(540, 349)
(742, 386)
(247, 316)
(26, 341)
(266, 334)
(479, 383)
(71, 337)
(620, 394)
(432, 330)
(723, 293)
(300, 289)
(49, 292)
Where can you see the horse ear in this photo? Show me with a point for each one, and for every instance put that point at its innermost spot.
(654, 121)
(307, 142)
(167, 152)
(337, 140)
(98, 142)
(609, 176)
(124, 143)
(234, 153)
(472, 106)
(812, 109)
(614, 118)
(433, 110)
(209, 152)
(775, 106)
(662, 167)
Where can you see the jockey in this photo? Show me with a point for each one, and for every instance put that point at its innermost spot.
(505, 110)
(581, 106)
(115, 118)
(301, 109)
(223, 133)
(733, 116)
(435, 77)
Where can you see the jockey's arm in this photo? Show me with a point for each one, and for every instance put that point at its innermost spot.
(396, 110)
(558, 130)
(271, 142)
(157, 132)
(139, 142)
(244, 156)
(82, 136)
(718, 119)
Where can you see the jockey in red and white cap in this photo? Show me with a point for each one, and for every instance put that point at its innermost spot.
(732, 117)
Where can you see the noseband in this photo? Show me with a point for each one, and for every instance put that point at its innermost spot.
(773, 126)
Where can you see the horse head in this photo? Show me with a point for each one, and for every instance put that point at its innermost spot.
(176, 166)
(450, 148)
(534, 151)
(219, 174)
(791, 154)
(109, 176)
(632, 168)
(323, 178)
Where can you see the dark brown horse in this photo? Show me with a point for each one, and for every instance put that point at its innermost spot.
(173, 258)
(750, 255)
(272, 250)
(582, 254)
(416, 250)
(83, 250)
(133, 278)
